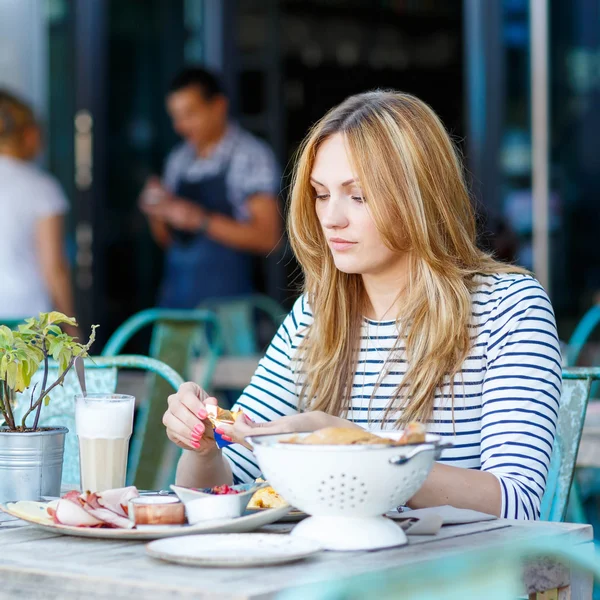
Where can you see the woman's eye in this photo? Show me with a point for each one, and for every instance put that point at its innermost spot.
(322, 196)
(359, 199)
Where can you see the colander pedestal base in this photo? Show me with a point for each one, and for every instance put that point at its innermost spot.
(351, 533)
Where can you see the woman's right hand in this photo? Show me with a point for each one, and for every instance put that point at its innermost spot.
(186, 419)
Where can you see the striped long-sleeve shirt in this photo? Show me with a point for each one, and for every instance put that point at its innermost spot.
(506, 396)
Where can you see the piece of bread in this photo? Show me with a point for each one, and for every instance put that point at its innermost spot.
(217, 415)
(342, 436)
(414, 433)
(266, 497)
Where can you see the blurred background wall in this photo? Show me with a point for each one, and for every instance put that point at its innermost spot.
(97, 72)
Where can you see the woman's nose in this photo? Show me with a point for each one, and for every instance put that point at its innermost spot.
(334, 215)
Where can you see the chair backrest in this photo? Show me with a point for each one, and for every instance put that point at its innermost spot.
(177, 337)
(581, 335)
(577, 382)
(101, 376)
(238, 319)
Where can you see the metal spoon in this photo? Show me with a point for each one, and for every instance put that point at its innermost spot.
(80, 370)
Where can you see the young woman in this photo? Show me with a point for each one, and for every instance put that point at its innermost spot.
(34, 274)
(402, 318)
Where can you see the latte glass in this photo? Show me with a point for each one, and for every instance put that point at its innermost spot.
(104, 423)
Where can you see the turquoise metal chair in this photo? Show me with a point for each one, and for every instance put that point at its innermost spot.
(490, 574)
(589, 322)
(241, 320)
(237, 319)
(589, 476)
(577, 383)
(101, 376)
(178, 338)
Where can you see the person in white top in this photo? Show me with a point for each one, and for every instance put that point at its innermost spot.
(34, 274)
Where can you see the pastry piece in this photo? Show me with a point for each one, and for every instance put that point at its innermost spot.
(342, 436)
(266, 497)
(414, 433)
(217, 415)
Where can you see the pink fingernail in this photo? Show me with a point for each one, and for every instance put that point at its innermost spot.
(199, 429)
(194, 444)
(219, 431)
(226, 438)
(196, 437)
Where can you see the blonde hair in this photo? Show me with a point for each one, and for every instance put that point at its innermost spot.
(15, 117)
(412, 179)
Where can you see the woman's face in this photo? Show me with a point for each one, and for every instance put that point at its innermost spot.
(343, 211)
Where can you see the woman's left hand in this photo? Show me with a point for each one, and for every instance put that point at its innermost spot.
(308, 421)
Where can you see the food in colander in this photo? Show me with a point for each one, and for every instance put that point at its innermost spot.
(414, 433)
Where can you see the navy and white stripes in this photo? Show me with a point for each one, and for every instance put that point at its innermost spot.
(505, 397)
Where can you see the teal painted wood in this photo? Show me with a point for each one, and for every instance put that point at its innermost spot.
(588, 323)
(492, 573)
(101, 376)
(571, 415)
(237, 321)
(12, 323)
(178, 337)
(194, 326)
(582, 333)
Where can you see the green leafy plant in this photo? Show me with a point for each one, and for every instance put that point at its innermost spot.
(22, 352)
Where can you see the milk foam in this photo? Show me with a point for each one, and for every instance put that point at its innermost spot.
(104, 418)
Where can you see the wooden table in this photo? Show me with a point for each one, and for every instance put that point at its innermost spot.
(39, 564)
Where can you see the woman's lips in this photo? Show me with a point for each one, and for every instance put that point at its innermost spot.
(340, 244)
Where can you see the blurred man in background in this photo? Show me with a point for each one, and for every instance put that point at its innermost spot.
(217, 203)
(34, 273)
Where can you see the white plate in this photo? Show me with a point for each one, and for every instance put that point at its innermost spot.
(233, 550)
(243, 524)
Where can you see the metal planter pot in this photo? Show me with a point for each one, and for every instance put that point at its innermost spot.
(31, 464)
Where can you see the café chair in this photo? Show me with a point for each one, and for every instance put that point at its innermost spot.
(179, 337)
(246, 324)
(586, 482)
(577, 382)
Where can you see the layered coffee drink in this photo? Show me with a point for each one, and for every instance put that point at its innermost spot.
(104, 424)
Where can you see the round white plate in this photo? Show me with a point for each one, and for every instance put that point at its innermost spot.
(233, 550)
(35, 513)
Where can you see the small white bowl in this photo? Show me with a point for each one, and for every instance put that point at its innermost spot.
(201, 505)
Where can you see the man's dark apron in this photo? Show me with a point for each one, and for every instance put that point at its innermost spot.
(196, 267)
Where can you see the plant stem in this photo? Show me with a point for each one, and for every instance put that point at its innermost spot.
(2, 409)
(39, 409)
(44, 393)
(8, 414)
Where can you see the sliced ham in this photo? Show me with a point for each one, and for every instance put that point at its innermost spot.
(108, 517)
(118, 500)
(106, 509)
(72, 513)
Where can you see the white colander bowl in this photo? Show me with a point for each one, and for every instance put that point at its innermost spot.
(347, 489)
